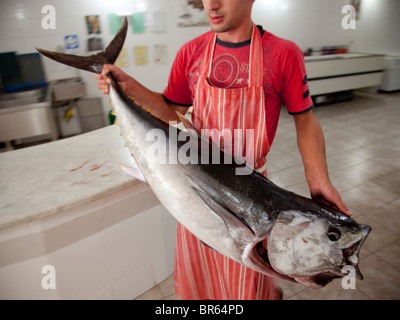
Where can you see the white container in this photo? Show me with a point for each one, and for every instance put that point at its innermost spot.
(91, 114)
(391, 76)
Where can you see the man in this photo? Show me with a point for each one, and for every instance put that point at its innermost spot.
(236, 77)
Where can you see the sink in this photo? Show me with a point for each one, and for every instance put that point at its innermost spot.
(26, 114)
(16, 99)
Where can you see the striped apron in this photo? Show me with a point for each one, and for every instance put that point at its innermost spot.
(200, 272)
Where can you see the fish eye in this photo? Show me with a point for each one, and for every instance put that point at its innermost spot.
(334, 233)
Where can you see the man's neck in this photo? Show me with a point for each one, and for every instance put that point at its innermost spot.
(237, 35)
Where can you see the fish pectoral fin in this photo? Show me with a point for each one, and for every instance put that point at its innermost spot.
(208, 246)
(187, 124)
(134, 172)
(231, 220)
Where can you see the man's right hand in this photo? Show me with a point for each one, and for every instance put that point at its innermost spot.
(121, 77)
(153, 101)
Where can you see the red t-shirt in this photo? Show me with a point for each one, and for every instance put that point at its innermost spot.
(285, 79)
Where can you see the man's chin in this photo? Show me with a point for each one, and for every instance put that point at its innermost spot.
(218, 28)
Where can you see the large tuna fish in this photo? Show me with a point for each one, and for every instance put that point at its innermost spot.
(232, 212)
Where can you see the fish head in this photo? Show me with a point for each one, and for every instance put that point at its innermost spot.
(313, 248)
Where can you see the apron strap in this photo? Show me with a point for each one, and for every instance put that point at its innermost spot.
(207, 60)
(256, 63)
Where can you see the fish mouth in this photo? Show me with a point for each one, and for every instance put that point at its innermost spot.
(351, 258)
(351, 253)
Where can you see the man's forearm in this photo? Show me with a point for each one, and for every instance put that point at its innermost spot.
(311, 144)
(153, 101)
(149, 100)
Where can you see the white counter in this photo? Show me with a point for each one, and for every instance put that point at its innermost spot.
(343, 72)
(68, 204)
(49, 178)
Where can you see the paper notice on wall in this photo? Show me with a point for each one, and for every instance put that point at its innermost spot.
(160, 53)
(71, 44)
(93, 24)
(94, 44)
(159, 21)
(122, 59)
(115, 22)
(191, 13)
(141, 55)
(138, 22)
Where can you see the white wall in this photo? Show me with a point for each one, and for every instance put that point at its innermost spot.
(310, 23)
(21, 30)
(378, 29)
(317, 23)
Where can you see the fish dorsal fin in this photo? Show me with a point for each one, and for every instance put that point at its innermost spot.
(188, 125)
(134, 172)
(231, 220)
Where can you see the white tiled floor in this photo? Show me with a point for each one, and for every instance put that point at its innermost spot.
(363, 151)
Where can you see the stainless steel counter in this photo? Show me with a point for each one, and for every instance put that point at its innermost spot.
(26, 114)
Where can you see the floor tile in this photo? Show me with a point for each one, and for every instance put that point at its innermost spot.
(164, 290)
(387, 216)
(390, 254)
(381, 280)
(380, 236)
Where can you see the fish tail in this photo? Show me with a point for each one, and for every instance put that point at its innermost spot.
(93, 63)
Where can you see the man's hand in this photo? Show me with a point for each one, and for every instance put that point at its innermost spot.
(328, 195)
(152, 101)
(121, 77)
